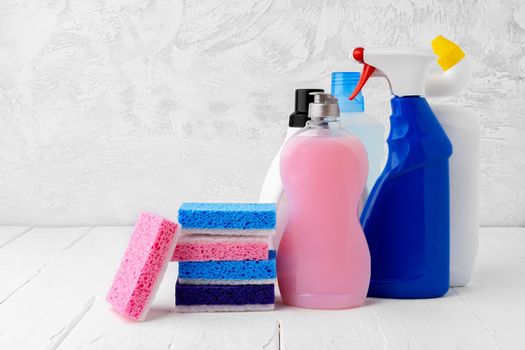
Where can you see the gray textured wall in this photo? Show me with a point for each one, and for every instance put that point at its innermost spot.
(108, 108)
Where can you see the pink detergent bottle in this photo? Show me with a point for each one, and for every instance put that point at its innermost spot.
(323, 260)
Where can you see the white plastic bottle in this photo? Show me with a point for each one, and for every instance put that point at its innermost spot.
(463, 129)
(272, 188)
(354, 120)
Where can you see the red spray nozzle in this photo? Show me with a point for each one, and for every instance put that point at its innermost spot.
(358, 55)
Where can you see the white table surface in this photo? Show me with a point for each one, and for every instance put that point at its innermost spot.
(53, 283)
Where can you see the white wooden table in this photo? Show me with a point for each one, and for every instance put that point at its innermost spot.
(53, 283)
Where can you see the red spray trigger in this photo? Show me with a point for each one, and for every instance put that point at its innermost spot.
(358, 54)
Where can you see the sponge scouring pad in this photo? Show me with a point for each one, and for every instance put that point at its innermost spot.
(227, 215)
(149, 251)
(229, 272)
(207, 248)
(224, 295)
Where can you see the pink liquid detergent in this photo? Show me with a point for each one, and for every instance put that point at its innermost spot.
(323, 260)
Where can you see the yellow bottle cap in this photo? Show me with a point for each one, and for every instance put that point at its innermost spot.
(449, 54)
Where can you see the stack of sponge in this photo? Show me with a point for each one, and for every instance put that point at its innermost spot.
(224, 259)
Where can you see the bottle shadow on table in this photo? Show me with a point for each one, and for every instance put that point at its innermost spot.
(279, 305)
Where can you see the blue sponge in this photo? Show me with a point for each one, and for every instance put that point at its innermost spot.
(228, 270)
(227, 215)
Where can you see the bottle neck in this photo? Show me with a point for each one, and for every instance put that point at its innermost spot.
(323, 123)
(343, 85)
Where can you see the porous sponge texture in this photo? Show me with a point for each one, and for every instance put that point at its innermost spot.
(227, 215)
(186, 294)
(207, 248)
(149, 251)
(228, 270)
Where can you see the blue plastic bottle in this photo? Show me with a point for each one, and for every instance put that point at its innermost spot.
(406, 218)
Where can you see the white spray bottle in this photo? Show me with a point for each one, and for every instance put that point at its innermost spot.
(463, 129)
(272, 188)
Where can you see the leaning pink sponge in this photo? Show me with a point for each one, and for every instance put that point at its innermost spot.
(207, 248)
(149, 251)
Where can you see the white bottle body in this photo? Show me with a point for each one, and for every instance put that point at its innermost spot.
(372, 134)
(272, 191)
(462, 127)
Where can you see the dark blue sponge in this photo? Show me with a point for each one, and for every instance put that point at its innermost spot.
(229, 270)
(187, 294)
(227, 215)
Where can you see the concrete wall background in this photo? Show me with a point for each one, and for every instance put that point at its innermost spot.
(108, 108)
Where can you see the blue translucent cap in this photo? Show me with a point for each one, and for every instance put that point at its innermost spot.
(343, 84)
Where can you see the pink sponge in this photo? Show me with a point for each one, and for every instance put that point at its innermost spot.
(207, 248)
(149, 251)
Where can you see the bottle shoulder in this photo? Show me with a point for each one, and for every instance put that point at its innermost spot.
(322, 132)
(456, 116)
(416, 136)
(322, 138)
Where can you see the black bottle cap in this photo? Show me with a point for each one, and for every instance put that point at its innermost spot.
(299, 117)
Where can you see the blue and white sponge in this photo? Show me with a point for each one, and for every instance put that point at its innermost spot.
(246, 216)
(228, 272)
